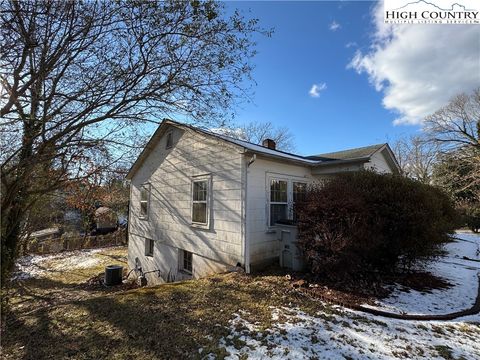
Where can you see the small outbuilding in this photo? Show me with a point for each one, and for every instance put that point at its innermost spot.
(106, 220)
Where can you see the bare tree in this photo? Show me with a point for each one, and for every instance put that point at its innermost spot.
(416, 157)
(455, 129)
(256, 132)
(78, 78)
(457, 125)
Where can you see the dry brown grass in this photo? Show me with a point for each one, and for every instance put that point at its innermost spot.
(57, 317)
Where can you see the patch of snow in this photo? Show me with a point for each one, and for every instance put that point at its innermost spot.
(345, 333)
(350, 334)
(461, 273)
(35, 266)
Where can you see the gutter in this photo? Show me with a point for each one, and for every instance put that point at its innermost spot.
(303, 162)
(246, 248)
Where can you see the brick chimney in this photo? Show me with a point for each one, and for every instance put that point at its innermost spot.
(268, 143)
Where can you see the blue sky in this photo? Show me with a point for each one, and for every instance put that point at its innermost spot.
(306, 49)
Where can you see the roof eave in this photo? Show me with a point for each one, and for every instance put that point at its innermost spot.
(343, 161)
(305, 162)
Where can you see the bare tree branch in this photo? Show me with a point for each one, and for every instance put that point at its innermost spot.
(256, 132)
(79, 79)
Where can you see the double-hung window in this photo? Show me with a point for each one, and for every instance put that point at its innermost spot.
(278, 200)
(200, 195)
(284, 194)
(144, 200)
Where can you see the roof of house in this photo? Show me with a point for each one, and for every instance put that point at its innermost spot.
(355, 153)
(261, 149)
(45, 232)
(103, 210)
(362, 154)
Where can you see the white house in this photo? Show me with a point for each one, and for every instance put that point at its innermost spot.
(202, 203)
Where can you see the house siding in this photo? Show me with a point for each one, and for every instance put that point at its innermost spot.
(263, 244)
(332, 170)
(378, 163)
(169, 173)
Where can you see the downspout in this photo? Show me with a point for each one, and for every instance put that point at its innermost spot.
(247, 221)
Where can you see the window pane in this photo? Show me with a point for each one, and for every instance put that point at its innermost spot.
(200, 191)
(149, 246)
(143, 193)
(278, 191)
(277, 212)
(152, 245)
(143, 208)
(169, 140)
(199, 213)
(299, 191)
(187, 260)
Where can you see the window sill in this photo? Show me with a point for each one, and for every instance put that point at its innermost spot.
(143, 217)
(149, 255)
(185, 273)
(200, 226)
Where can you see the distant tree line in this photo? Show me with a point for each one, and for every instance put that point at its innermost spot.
(448, 154)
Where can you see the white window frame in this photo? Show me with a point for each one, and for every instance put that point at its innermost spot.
(290, 180)
(201, 178)
(270, 202)
(169, 136)
(181, 261)
(148, 243)
(148, 188)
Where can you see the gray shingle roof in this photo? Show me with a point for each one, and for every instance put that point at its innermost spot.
(261, 149)
(361, 154)
(356, 153)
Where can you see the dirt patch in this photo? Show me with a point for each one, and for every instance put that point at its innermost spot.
(97, 283)
(365, 290)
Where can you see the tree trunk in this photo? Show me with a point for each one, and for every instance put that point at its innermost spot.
(15, 203)
(11, 231)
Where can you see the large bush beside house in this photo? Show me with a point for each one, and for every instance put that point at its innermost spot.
(359, 222)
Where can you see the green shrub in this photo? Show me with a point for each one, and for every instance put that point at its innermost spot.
(365, 221)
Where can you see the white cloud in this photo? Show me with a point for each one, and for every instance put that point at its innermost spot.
(316, 89)
(351, 44)
(419, 68)
(334, 26)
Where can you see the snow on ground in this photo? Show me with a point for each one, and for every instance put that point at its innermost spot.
(34, 266)
(462, 274)
(347, 334)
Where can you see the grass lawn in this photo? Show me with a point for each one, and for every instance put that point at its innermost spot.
(59, 315)
(56, 316)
